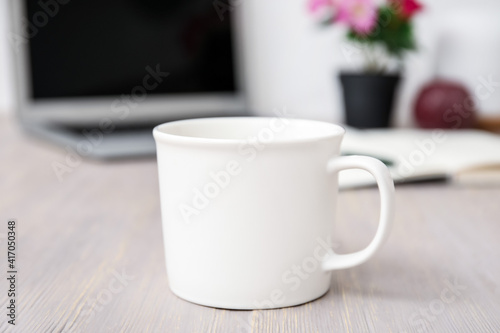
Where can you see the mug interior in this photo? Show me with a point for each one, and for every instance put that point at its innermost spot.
(237, 129)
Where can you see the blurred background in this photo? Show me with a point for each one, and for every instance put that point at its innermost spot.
(88, 80)
(259, 56)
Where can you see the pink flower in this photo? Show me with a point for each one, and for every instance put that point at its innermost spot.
(360, 15)
(407, 8)
(316, 6)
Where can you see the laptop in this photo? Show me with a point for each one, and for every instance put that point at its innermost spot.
(97, 76)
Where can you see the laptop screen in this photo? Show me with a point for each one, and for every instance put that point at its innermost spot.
(102, 48)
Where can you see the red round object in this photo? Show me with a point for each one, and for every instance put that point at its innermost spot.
(445, 104)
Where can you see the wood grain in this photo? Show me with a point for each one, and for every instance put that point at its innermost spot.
(103, 219)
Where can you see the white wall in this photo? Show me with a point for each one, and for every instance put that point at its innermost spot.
(292, 63)
(6, 88)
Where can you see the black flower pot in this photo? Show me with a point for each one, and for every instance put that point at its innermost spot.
(368, 99)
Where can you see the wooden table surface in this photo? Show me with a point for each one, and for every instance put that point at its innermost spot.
(90, 256)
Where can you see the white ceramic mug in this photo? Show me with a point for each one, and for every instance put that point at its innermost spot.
(248, 207)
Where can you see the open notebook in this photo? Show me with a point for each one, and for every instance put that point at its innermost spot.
(469, 157)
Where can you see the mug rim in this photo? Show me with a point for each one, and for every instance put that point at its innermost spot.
(160, 135)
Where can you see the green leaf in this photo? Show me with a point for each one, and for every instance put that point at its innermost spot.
(391, 31)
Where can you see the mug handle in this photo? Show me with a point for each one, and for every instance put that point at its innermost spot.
(386, 189)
